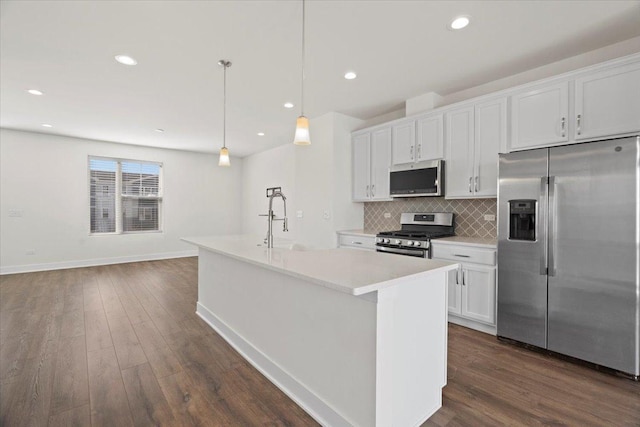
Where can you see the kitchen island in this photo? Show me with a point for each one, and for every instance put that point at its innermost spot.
(356, 338)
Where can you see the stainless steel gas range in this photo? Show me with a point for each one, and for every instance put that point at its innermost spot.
(415, 234)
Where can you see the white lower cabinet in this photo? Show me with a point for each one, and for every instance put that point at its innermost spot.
(356, 240)
(472, 287)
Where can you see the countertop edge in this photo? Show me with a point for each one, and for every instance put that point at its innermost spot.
(357, 291)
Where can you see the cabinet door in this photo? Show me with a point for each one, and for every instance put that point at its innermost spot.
(459, 160)
(479, 293)
(430, 138)
(454, 296)
(404, 138)
(380, 162)
(491, 135)
(608, 103)
(361, 166)
(540, 117)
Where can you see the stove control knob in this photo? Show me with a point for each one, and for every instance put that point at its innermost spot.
(386, 241)
(410, 243)
(397, 241)
(379, 240)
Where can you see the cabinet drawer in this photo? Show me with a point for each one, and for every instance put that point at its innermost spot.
(357, 241)
(464, 254)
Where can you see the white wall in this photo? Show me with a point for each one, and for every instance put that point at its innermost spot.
(316, 179)
(271, 168)
(45, 177)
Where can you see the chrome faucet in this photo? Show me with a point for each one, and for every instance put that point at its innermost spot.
(271, 217)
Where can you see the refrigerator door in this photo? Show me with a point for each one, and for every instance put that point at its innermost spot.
(593, 252)
(522, 244)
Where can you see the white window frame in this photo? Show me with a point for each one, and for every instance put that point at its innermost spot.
(119, 196)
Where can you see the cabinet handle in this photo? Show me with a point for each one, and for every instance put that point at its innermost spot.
(373, 190)
(457, 279)
(411, 152)
(578, 127)
(476, 184)
(356, 243)
(419, 151)
(462, 256)
(367, 191)
(470, 179)
(563, 125)
(463, 282)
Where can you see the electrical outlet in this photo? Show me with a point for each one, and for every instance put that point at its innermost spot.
(386, 215)
(299, 214)
(326, 215)
(489, 217)
(15, 213)
(31, 252)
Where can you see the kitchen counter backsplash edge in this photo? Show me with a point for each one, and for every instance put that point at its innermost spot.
(469, 214)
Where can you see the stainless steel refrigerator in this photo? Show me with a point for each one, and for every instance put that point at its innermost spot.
(568, 251)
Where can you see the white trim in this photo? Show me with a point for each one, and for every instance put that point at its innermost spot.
(305, 398)
(12, 269)
(471, 324)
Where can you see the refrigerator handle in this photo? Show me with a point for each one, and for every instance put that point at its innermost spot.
(553, 214)
(542, 224)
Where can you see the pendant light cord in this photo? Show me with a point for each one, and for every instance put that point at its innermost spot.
(224, 108)
(302, 79)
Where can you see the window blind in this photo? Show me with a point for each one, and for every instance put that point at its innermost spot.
(126, 196)
(140, 196)
(102, 177)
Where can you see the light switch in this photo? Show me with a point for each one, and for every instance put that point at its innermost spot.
(15, 213)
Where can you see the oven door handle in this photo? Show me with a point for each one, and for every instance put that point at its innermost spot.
(401, 251)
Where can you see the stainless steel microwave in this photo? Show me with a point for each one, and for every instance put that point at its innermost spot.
(417, 179)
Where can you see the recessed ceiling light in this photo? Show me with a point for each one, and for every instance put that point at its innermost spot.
(288, 105)
(350, 75)
(159, 130)
(126, 60)
(460, 22)
(35, 92)
(260, 133)
(47, 125)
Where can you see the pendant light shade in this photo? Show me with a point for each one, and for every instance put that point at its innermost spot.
(224, 151)
(302, 135)
(224, 157)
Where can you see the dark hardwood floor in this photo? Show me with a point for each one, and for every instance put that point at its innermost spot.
(121, 345)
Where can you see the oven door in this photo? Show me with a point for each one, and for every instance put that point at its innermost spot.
(417, 252)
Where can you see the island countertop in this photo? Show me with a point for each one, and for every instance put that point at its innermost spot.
(350, 271)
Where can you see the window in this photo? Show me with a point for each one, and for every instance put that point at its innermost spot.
(125, 196)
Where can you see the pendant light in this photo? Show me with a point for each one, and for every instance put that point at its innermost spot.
(302, 136)
(224, 151)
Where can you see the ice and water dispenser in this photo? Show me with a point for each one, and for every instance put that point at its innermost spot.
(522, 220)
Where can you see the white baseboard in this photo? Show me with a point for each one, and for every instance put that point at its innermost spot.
(304, 397)
(93, 262)
(487, 329)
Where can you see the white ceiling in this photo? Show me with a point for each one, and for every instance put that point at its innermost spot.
(400, 49)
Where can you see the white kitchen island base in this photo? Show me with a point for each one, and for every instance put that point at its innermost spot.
(375, 359)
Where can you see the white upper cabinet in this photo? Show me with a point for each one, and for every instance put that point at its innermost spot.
(430, 137)
(404, 141)
(370, 164)
(540, 117)
(459, 159)
(491, 138)
(380, 162)
(475, 135)
(418, 140)
(608, 103)
(361, 159)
